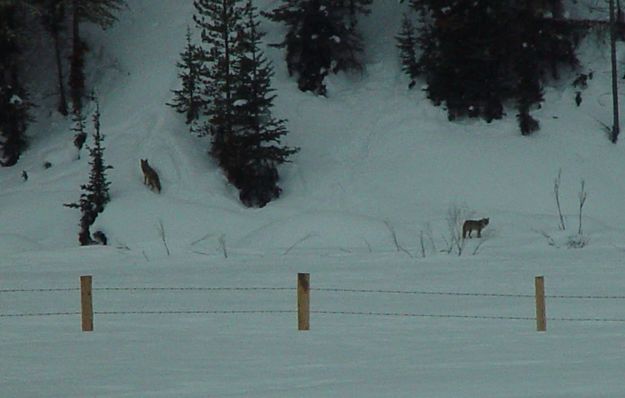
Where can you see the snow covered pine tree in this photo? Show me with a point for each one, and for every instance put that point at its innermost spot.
(322, 38)
(236, 94)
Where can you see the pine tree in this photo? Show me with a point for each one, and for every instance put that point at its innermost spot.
(355, 7)
(14, 105)
(218, 21)
(189, 99)
(98, 185)
(80, 135)
(257, 150)
(100, 12)
(407, 45)
(95, 193)
(232, 85)
(322, 38)
(87, 218)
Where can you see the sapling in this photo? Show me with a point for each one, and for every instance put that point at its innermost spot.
(582, 200)
(556, 191)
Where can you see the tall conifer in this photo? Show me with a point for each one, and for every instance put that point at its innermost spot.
(258, 133)
(322, 38)
(189, 99)
(407, 44)
(95, 193)
(218, 21)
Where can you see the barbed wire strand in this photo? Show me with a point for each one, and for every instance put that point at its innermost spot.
(193, 312)
(446, 293)
(320, 312)
(38, 314)
(413, 315)
(334, 290)
(39, 290)
(490, 317)
(419, 292)
(193, 288)
(582, 297)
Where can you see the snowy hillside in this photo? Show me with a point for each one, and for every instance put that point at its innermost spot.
(366, 205)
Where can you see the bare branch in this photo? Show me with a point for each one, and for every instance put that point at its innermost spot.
(161, 231)
(556, 191)
(395, 240)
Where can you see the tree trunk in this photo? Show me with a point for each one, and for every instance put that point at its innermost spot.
(59, 67)
(76, 75)
(615, 127)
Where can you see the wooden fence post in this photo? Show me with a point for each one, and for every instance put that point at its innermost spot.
(303, 301)
(541, 314)
(86, 303)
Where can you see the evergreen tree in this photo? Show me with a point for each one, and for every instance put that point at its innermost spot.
(256, 150)
(322, 38)
(407, 44)
(100, 12)
(99, 186)
(218, 21)
(14, 105)
(229, 80)
(95, 193)
(355, 7)
(80, 135)
(189, 99)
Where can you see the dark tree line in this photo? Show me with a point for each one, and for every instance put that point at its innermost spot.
(477, 55)
(14, 103)
(20, 23)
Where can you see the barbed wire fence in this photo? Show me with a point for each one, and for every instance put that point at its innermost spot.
(303, 310)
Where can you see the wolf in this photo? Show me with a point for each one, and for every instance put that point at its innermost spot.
(470, 225)
(150, 177)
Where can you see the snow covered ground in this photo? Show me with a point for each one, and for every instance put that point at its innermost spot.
(366, 206)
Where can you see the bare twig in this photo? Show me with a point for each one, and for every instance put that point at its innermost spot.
(395, 240)
(195, 242)
(550, 240)
(556, 191)
(454, 218)
(479, 244)
(582, 199)
(459, 245)
(309, 235)
(222, 243)
(161, 231)
(430, 235)
(449, 245)
(368, 246)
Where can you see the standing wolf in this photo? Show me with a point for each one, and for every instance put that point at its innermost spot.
(470, 225)
(150, 177)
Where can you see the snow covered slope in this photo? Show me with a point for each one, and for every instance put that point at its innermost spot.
(366, 205)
